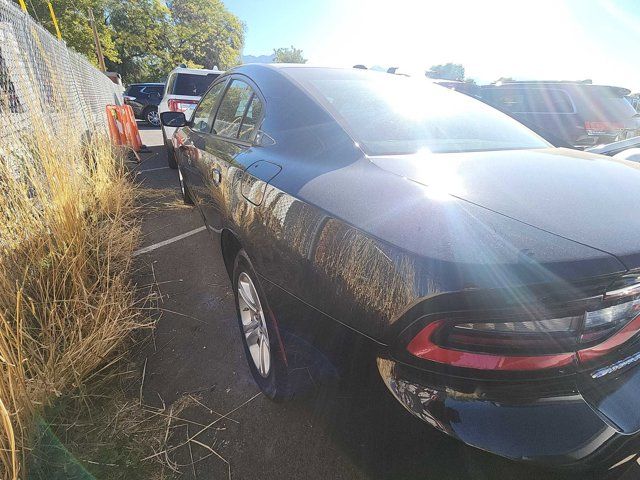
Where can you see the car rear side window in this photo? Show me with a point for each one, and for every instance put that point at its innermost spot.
(170, 83)
(232, 108)
(203, 116)
(249, 125)
(192, 85)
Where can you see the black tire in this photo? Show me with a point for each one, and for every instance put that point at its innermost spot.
(184, 191)
(277, 384)
(171, 155)
(150, 116)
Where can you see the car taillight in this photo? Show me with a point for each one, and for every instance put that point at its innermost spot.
(530, 344)
(181, 105)
(602, 128)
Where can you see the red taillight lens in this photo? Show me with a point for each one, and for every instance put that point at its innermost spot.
(594, 128)
(423, 346)
(181, 105)
(528, 345)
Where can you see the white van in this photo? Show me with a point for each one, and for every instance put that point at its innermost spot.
(182, 93)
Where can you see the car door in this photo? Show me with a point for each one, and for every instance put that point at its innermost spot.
(193, 148)
(234, 129)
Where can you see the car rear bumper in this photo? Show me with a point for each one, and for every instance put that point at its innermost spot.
(549, 426)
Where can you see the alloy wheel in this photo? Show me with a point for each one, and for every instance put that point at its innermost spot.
(254, 326)
(153, 118)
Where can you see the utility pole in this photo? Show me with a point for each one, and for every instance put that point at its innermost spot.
(96, 40)
(54, 19)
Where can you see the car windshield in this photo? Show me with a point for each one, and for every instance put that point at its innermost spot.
(398, 115)
(193, 85)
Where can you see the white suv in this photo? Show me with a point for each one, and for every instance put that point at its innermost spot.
(182, 93)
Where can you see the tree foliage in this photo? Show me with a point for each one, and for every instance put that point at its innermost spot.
(74, 24)
(207, 34)
(448, 71)
(144, 39)
(288, 55)
(142, 35)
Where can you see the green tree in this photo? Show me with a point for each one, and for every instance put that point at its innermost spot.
(143, 35)
(144, 39)
(74, 25)
(206, 33)
(288, 55)
(448, 71)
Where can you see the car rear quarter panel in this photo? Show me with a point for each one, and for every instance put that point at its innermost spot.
(363, 246)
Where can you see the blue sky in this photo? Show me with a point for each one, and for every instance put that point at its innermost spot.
(542, 39)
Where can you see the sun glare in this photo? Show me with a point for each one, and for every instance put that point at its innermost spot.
(440, 174)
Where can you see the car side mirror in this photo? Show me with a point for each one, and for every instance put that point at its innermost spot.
(173, 119)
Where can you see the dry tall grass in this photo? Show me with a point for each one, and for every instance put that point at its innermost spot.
(67, 231)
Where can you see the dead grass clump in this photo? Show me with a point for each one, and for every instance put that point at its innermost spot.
(67, 231)
(108, 431)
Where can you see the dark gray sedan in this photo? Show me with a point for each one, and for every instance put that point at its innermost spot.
(493, 280)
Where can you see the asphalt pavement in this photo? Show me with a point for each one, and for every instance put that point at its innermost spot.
(342, 431)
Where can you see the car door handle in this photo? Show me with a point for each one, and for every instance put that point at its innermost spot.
(216, 176)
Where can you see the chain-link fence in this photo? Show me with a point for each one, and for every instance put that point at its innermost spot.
(44, 83)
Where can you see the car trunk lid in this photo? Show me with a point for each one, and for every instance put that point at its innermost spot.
(586, 198)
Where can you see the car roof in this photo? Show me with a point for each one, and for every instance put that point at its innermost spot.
(146, 84)
(195, 71)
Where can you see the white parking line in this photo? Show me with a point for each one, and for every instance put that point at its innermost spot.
(167, 242)
(152, 169)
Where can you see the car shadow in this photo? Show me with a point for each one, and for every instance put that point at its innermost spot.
(382, 438)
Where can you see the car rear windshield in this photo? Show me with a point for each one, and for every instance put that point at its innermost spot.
(389, 114)
(193, 85)
(133, 90)
(605, 103)
(154, 89)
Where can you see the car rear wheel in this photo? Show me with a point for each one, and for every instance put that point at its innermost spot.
(186, 196)
(260, 336)
(152, 117)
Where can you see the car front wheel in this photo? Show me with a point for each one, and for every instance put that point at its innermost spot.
(259, 333)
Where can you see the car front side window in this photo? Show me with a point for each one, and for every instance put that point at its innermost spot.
(203, 116)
